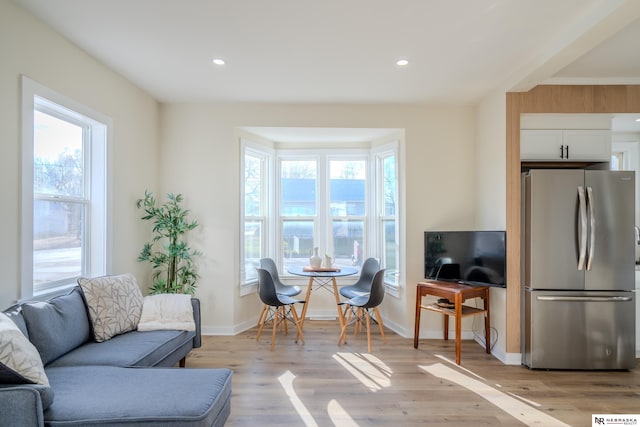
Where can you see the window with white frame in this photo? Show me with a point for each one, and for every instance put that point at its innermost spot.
(64, 187)
(345, 202)
(323, 204)
(348, 202)
(255, 209)
(298, 209)
(617, 160)
(387, 215)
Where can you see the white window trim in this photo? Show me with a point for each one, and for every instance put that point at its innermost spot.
(378, 154)
(259, 150)
(101, 134)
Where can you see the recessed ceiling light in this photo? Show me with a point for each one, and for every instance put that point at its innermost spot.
(218, 61)
(638, 120)
(402, 62)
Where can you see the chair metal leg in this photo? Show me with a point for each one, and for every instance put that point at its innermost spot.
(284, 317)
(358, 326)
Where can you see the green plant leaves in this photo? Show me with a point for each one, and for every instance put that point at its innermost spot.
(168, 253)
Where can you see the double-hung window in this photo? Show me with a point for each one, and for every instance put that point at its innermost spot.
(347, 198)
(255, 206)
(298, 209)
(323, 204)
(387, 214)
(64, 232)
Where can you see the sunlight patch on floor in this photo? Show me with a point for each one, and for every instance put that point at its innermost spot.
(446, 359)
(339, 416)
(517, 409)
(368, 369)
(529, 402)
(286, 380)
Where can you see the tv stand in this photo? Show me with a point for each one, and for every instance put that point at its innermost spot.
(458, 293)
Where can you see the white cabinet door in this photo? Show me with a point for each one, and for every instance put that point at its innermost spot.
(565, 145)
(588, 144)
(541, 144)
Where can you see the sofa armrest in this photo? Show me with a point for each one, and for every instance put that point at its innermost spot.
(20, 406)
(197, 340)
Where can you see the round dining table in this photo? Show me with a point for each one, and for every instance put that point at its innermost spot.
(322, 278)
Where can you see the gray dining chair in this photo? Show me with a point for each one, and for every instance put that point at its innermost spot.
(288, 290)
(282, 289)
(361, 309)
(363, 284)
(280, 309)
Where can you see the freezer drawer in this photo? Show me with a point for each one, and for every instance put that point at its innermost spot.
(579, 330)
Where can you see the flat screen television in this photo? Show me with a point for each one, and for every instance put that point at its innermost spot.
(470, 257)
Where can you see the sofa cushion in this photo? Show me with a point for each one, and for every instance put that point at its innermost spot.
(58, 325)
(130, 349)
(20, 362)
(145, 397)
(114, 304)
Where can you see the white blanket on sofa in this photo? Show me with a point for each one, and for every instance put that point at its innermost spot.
(167, 311)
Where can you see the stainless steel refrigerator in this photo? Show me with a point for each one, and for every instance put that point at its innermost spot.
(578, 269)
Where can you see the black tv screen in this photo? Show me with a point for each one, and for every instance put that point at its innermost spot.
(470, 257)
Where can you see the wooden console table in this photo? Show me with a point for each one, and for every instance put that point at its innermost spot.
(458, 293)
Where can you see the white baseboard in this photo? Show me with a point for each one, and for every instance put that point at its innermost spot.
(231, 330)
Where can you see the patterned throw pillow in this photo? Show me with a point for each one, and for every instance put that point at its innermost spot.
(20, 362)
(114, 303)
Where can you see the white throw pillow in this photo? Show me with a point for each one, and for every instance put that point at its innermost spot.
(167, 311)
(114, 303)
(19, 359)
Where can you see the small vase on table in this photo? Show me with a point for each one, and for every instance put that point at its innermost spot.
(315, 261)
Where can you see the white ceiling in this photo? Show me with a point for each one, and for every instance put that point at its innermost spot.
(344, 51)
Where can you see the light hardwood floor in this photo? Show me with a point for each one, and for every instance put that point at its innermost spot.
(323, 384)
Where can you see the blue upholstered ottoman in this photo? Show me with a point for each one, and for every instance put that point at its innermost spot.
(114, 396)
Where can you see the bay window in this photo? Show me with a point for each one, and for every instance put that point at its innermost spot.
(342, 201)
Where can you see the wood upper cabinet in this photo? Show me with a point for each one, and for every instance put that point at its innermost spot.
(565, 145)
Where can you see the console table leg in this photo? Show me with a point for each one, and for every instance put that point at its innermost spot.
(458, 304)
(445, 321)
(487, 323)
(416, 328)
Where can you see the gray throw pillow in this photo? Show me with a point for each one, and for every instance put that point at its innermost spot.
(114, 304)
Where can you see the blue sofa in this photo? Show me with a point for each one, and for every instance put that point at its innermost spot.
(128, 380)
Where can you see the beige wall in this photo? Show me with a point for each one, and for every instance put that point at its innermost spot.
(29, 48)
(200, 158)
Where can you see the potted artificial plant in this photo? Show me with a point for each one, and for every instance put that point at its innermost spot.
(174, 269)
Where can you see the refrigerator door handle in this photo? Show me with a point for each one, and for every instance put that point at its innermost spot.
(592, 226)
(584, 299)
(582, 237)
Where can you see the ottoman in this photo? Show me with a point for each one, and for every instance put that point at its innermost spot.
(115, 396)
